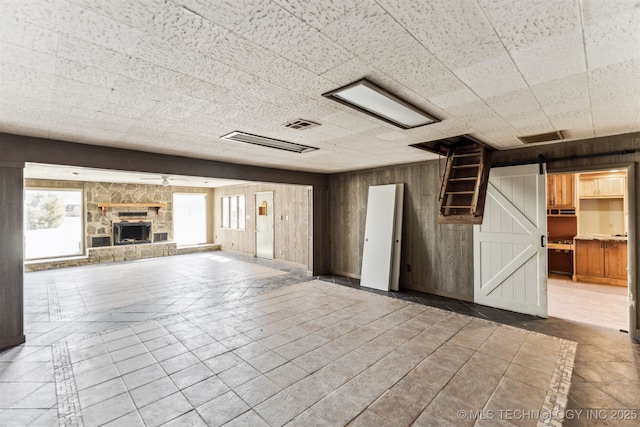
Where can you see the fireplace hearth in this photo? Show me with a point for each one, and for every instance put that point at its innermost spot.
(131, 233)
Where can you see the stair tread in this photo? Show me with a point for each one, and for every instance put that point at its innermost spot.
(472, 178)
(474, 165)
(467, 154)
(459, 192)
(456, 207)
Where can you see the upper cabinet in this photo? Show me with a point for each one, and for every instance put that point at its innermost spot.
(592, 186)
(560, 191)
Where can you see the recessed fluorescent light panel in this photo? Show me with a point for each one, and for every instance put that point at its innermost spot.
(371, 99)
(267, 142)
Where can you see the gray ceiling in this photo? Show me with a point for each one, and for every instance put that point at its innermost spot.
(172, 76)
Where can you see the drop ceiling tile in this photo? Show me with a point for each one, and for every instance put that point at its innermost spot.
(19, 75)
(613, 40)
(242, 54)
(514, 104)
(447, 100)
(350, 71)
(526, 22)
(352, 121)
(594, 11)
(561, 95)
(27, 35)
(368, 25)
(78, 101)
(138, 94)
(550, 60)
(571, 122)
(83, 52)
(43, 13)
(25, 57)
(136, 14)
(85, 73)
(473, 112)
(318, 54)
(614, 100)
(494, 125)
(185, 29)
(392, 136)
(274, 28)
(97, 29)
(152, 74)
(441, 25)
(482, 77)
(318, 13)
(27, 98)
(162, 53)
(121, 110)
(67, 110)
(228, 13)
(69, 86)
(532, 125)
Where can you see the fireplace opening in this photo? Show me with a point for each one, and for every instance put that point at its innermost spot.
(131, 233)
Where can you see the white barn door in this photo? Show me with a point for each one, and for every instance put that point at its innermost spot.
(510, 254)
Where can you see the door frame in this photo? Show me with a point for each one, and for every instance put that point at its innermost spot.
(633, 227)
(272, 224)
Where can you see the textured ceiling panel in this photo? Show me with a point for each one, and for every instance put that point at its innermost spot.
(172, 76)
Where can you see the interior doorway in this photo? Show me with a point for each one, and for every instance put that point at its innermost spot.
(588, 251)
(264, 225)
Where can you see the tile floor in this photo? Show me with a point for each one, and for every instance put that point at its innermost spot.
(214, 339)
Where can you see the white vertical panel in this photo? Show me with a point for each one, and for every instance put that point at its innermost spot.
(380, 262)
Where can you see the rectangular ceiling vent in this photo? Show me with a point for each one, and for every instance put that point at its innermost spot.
(542, 137)
(267, 142)
(301, 124)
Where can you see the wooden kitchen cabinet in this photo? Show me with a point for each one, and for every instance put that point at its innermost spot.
(561, 191)
(615, 260)
(603, 186)
(601, 261)
(589, 258)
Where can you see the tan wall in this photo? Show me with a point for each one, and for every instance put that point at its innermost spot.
(291, 237)
(429, 249)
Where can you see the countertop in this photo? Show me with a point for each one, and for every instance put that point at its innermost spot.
(601, 237)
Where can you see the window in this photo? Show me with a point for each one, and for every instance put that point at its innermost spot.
(53, 223)
(189, 218)
(233, 212)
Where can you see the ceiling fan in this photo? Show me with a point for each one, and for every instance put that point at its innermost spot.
(165, 180)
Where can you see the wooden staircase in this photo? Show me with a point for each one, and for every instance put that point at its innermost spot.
(464, 186)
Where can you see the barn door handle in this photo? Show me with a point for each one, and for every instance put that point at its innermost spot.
(542, 241)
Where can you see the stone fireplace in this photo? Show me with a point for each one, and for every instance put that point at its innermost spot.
(102, 223)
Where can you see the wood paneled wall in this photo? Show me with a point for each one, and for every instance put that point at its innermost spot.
(436, 258)
(11, 255)
(291, 236)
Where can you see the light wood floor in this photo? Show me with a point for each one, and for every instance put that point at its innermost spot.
(601, 305)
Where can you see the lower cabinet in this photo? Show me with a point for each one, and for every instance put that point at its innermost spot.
(601, 261)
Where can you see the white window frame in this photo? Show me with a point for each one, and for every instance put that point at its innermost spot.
(206, 220)
(236, 221)
(82, 241)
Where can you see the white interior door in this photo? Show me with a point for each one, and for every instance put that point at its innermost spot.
(510, 254)
(383, 228)
(264, 225)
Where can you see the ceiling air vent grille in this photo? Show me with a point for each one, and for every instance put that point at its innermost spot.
(301, 124)
(267, 142)
(542, 137)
